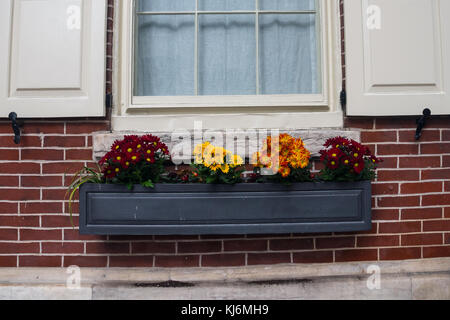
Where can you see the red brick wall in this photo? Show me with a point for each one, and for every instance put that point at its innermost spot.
(411, 205)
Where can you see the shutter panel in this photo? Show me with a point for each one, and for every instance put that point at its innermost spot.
(397, 56)
(52, 58)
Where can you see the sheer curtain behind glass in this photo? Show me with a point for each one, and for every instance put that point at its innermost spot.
(188, 48)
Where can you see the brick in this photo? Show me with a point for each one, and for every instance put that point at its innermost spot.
(378, 241)
(9, 154)
(223, 260)
(447, 238)
(199, 247)
(436, 252)
(421, 239)
(42, 154)
(8, 208)
(40, 234)
(82, 128)
(291, 244)
(73, 234)
(356, 255)
(131, 261)
(40, 261)
(107, 247)
(19, 221)
(445, 135)
(53, 221)
(41, 207)
(8, 261)
(378, 136)
(25, 141)
(79, 154)
(176, 237)
(420, 162)
(398, 175)
(177, 261)
(395, 123)
(64, 141)
(427, 135)
(46, 128)
(41, 181)
(360, 123)
(20, 194)
(9, 181)
(384, 188)
(9, 234)
(435, 174)
(62, 167)
(268, 258)
(152, 247)
(423, 187)
(447, 186)
(436, 225)
(57, 194)
(445, 161)
(388, 162)
(335, 242)
(62, 247)
(19, 247)
(399, 227)
(400, 253)
(434, 148)
(397, 149)
(439, 122)
(86, 261)
(436, 199)
(313, 257)
(245, 245)
(20, 167)
(420, 214)
(403, 201)
(385, 214)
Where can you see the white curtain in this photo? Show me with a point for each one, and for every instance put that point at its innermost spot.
(165, 49)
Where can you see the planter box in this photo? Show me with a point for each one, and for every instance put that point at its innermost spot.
(246, 208)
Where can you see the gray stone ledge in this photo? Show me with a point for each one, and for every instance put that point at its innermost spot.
(314, 139)
(410, 279)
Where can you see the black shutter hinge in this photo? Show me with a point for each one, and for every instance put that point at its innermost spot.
(343, 99)
(16, 125)
(426, 114)
(109, 100)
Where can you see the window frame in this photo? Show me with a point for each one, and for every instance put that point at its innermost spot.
(305, 106)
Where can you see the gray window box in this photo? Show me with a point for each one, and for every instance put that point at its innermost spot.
(246, 208)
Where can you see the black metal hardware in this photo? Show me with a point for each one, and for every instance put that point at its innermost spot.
(343, 98)
(16, 124)
(421, 122)
(109, 100)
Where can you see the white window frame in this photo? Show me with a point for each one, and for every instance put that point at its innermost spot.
(255, 111)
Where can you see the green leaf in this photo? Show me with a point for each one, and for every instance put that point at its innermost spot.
(148, 184)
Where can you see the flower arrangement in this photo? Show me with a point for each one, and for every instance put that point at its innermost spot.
(347, 160)
(213, 164)
(288, 161)
(135, 160)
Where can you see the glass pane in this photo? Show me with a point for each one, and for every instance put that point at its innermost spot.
(165, 5)
(227, 54)
(222, 5)
(287, 5)
(288, 54)
(165, 55)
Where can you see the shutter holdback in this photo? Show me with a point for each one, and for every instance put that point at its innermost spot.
(15, 126)
(421, 122)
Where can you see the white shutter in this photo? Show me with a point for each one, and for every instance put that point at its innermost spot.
(397, 56)
(52, 58)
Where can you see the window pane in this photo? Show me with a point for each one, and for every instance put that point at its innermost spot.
(288, 54)
(287, 4)
(165, 56)
(227, 54)
(222, 5)
(166, 5)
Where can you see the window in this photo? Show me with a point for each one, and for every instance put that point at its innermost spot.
(202, 58)
(222, 47)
